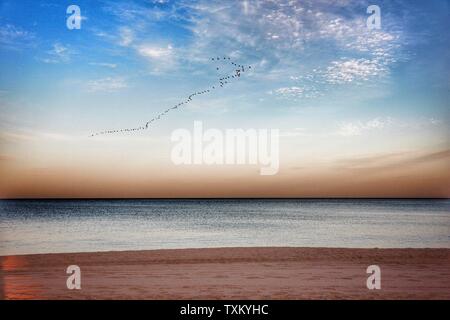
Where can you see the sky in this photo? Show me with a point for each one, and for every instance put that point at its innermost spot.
(361, 112)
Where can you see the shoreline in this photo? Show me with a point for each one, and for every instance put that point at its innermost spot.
(230, 273)
(156, 250)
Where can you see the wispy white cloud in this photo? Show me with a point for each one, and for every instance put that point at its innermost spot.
(14, 37)
(290, 91)
(297, 92)
(357, 128)
(104, 64)
(161, 57)
(348, 129)
(137, 15)
(58, 54)
(156, 53)
(276, 36)
(280, 38)
(108, 84)
(126, 36)
(353, 70)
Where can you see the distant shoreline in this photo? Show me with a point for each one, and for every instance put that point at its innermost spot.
(230, 273)
(238, 198)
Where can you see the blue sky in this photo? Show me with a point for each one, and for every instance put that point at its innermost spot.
(333, 87)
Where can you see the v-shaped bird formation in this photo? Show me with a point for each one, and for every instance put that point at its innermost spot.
(238, 70)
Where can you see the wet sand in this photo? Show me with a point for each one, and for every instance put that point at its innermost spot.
(230, 273)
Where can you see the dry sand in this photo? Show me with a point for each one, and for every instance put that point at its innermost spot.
(230, 273)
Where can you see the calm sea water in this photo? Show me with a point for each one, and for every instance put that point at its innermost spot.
(37, 226)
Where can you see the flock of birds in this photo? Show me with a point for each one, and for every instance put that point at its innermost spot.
(223, 81)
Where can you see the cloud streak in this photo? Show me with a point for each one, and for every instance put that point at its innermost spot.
(58, 54)
(14, 37)
(108, 84)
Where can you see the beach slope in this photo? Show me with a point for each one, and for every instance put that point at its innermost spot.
(230, 273)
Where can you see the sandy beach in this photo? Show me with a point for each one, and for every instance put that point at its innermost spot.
(230, 273)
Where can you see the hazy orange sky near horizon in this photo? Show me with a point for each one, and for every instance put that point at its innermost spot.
(395, 175)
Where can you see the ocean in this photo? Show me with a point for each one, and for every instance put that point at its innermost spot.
(54, 226)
